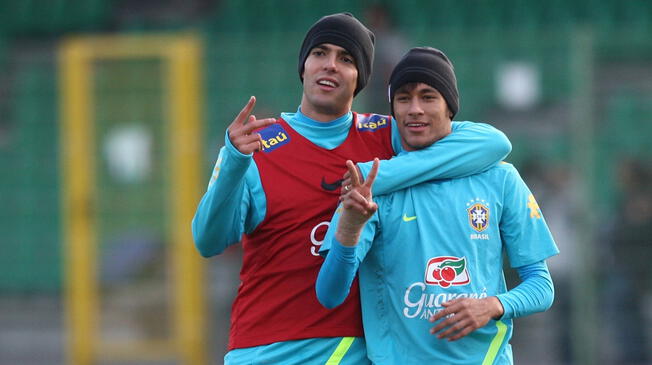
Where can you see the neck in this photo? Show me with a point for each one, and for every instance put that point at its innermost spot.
(323, 113)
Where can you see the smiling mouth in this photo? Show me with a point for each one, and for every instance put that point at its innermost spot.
(327, 83)
(415, 125)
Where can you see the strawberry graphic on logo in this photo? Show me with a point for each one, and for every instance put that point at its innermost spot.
(446, 271)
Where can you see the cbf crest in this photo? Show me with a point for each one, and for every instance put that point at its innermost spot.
(478, 212)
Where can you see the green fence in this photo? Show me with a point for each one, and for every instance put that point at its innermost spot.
(242, 64)
(592, 116)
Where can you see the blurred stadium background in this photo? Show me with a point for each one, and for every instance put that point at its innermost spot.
(570, 82)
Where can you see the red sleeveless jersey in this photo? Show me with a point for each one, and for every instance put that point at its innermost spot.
(276, 299)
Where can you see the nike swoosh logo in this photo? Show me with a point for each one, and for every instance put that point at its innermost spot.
(331, 186)
(408, 219)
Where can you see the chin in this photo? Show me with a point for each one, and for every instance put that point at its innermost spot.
(331, 107)
(418, 145)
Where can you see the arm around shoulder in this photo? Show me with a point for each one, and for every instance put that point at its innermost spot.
(486, 139)
(469, 149)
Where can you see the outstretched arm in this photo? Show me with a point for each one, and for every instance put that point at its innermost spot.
(223, 214)
(469, 149)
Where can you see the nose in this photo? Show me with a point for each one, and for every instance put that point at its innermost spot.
(330, 63)
(415, 107)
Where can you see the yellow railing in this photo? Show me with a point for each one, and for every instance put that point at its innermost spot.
(180, 55)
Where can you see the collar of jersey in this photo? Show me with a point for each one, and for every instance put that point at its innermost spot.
(325, 134)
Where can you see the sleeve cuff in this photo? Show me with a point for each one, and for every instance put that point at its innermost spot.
(232, 151)
(508, 310)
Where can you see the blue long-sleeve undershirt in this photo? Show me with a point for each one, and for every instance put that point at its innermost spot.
(336, 275)
(235, 202)
(534, 294)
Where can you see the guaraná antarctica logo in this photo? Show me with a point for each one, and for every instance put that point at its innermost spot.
(446, 271)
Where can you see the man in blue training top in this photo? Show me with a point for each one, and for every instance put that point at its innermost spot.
(432, 253)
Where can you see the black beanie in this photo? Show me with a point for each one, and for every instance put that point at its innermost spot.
(429, 66)
(343, 30)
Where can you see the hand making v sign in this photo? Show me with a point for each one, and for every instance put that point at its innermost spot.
(240, 130)
(357, 204)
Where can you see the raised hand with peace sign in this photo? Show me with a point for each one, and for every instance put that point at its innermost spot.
(241, 129)
(357, 204)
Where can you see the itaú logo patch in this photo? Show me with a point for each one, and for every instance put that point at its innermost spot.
(372, 122)
(274, 137)
(446, 271)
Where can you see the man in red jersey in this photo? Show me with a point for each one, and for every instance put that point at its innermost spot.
(277, 182)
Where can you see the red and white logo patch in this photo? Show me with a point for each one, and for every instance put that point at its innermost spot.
(446, 271)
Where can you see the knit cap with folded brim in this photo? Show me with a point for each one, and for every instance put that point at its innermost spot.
(343, 30)
(429, 66)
